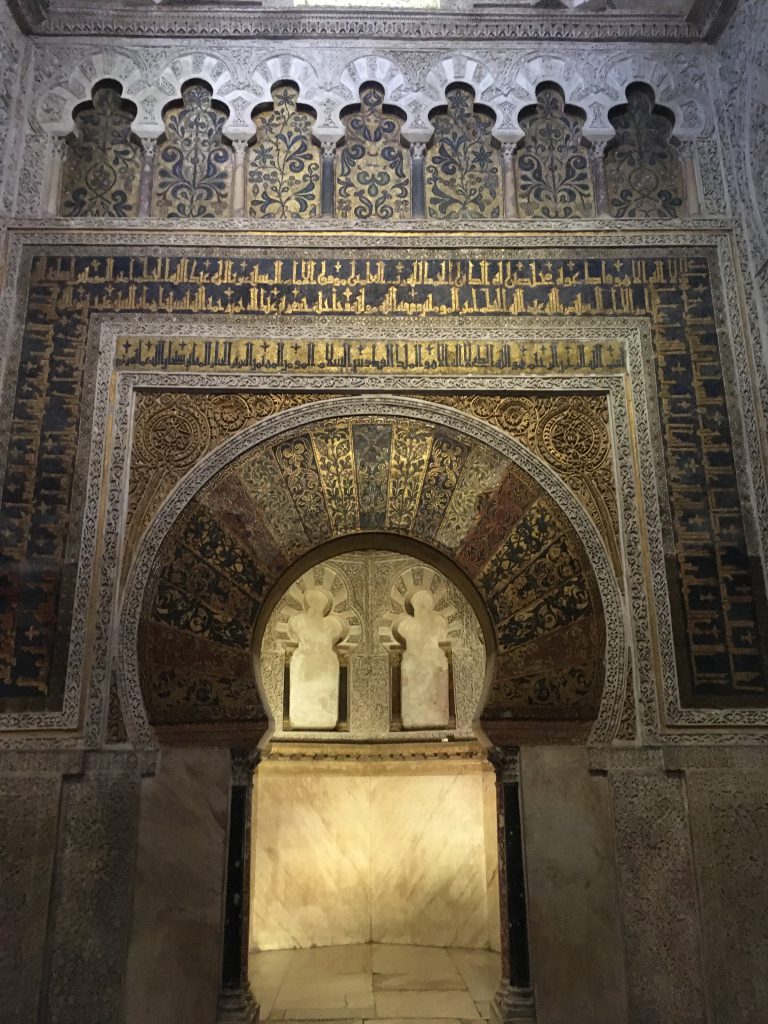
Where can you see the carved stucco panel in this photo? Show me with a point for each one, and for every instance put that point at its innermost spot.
(658, 897)
(729, 825)
(89, 925)
(28, 823)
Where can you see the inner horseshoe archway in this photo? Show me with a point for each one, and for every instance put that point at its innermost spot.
(351, 473)
(374, 846)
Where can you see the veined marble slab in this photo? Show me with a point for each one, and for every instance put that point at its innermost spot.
(361, 856)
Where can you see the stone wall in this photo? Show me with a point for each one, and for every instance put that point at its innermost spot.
(739, 72)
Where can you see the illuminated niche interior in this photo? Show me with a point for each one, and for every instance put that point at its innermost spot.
(371, 830)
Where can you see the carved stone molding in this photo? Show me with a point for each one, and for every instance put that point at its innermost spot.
(184, 20)
(242, 77)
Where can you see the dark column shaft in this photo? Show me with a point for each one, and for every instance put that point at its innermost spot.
(514, 1002)
(234, 900)
(517, 915)
(236, 1003)
(418, 197)
(328, 180)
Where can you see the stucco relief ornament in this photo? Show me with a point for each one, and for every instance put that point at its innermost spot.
(424, 667)
(314, 666)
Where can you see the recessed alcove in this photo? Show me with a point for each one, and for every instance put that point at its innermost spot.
(374, 884)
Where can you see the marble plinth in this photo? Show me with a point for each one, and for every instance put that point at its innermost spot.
(396, 856)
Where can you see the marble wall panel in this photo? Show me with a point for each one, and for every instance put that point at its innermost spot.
(311, 859)
(428, 866)
(28, 824)
(575, 929)
(393, 854)
(729, 825)
(173, 960)
(491, 861)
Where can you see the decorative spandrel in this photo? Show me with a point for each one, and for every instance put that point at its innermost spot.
(643, 170)
(193, 169)
(284, 161)
(372, 177)
(553, 176)
(102, 169)
(463, 167)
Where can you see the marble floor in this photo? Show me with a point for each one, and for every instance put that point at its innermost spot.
(377, 983)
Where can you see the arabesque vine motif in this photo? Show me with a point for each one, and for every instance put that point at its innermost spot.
(102, 170)
(463, 167)
(192, 176)
(642, 167)
(552, 166)
(284, 161)
(372, 179)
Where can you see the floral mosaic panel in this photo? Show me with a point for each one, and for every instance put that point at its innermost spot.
(463, 165)
(102, 169)
(553, 174)
(284, 161)
(643, 169)
(193, 164)
(372, 177)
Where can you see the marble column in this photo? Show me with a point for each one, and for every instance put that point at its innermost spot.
(58, 155)
(240, 151)
(328, 179)
(692, 195)
(597, 158)
(148, 150)
(514, 1001)
(508, 176)
(236, 1004)
(418, 198)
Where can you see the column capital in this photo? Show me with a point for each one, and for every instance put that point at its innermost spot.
(329, 149)
(240, 148)
(244, 764)
(506, 763)
(149, 148)
(59, 146)
(418, 150)
(508, 150)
